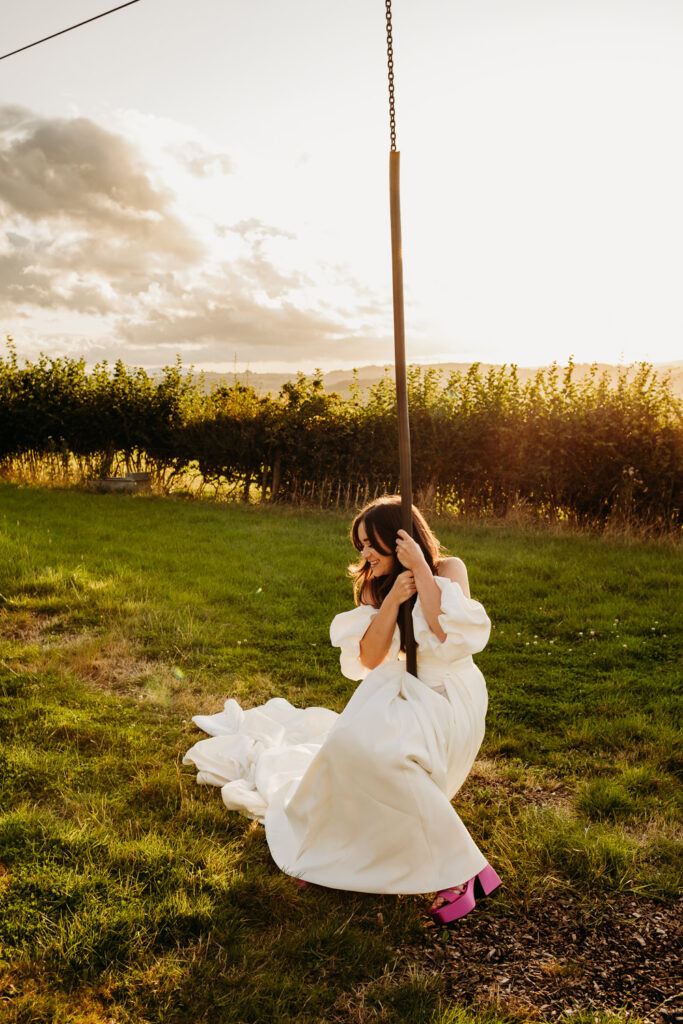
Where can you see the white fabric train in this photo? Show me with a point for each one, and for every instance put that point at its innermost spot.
(361, 800)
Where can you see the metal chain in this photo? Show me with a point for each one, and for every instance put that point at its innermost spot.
(390, 64)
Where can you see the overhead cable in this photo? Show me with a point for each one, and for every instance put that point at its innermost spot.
(70, 29)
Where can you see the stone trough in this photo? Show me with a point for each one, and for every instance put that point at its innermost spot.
(131, 483)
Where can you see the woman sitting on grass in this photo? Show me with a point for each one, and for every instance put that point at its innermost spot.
(361, 800)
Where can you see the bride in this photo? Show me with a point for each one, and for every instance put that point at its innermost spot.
(361, 800)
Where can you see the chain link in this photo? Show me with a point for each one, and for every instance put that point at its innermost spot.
(390, 64)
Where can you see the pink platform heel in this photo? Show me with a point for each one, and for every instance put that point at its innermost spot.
(485, 882)
(462, 898)
(459, 901)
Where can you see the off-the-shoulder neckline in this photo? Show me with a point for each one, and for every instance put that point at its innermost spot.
(445, 579)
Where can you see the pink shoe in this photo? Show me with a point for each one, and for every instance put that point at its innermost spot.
(459, 901)
(485, 882)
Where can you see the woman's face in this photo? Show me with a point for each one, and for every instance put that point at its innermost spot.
(380, 562)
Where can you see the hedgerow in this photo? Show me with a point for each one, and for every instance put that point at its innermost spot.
(592, 450)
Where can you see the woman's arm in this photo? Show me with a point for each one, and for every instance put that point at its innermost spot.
(410, 554)
(430, 598)
(377, 638)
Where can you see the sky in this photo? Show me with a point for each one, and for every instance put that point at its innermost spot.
(210, 180)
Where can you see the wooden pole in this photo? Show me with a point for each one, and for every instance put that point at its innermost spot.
(401, 386)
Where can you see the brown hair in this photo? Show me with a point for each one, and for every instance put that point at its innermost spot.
(382, 519)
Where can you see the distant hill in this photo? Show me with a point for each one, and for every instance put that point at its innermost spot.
(341, 380)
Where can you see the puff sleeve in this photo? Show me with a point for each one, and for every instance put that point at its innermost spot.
(464, 621)
(347, 630)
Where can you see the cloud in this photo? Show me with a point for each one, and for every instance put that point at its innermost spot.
(13, 116)
(78, 274)
(200, 162)
(75, 168)
(93, 230)
(17, 241)
(219, 330)
(254, 228)
(74, 171)
(90, 228)
(20, 284)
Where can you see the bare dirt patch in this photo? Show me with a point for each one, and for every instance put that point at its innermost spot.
(28, 627)
(111, 665)
(560, 955)
(46, 631)
(104, 662)
(530, 786)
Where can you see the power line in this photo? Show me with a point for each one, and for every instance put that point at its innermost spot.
(70, 29)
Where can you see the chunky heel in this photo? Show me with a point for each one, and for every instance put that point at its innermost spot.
(485, 882)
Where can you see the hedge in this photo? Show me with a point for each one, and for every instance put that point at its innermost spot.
(591, 449)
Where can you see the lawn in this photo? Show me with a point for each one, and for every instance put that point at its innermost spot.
(129, 894)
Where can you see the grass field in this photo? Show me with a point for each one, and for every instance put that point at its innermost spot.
(129, 894)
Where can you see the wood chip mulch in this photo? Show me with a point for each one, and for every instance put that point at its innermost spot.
(564, 956)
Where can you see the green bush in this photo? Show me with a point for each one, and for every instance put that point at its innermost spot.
(589, 450)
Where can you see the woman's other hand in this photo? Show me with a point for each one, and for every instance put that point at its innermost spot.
(409, 552)
(403, 588)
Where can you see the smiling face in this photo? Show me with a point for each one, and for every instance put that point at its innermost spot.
(381, 562)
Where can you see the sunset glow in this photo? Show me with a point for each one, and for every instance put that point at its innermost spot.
(218, 188)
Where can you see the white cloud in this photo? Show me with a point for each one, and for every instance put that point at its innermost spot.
(95, 234)
(199, 161)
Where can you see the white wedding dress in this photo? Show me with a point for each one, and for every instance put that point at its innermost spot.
(361, 800)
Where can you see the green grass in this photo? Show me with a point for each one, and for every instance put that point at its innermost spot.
(129, 894)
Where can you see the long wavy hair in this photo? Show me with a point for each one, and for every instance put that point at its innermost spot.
(382, 520)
